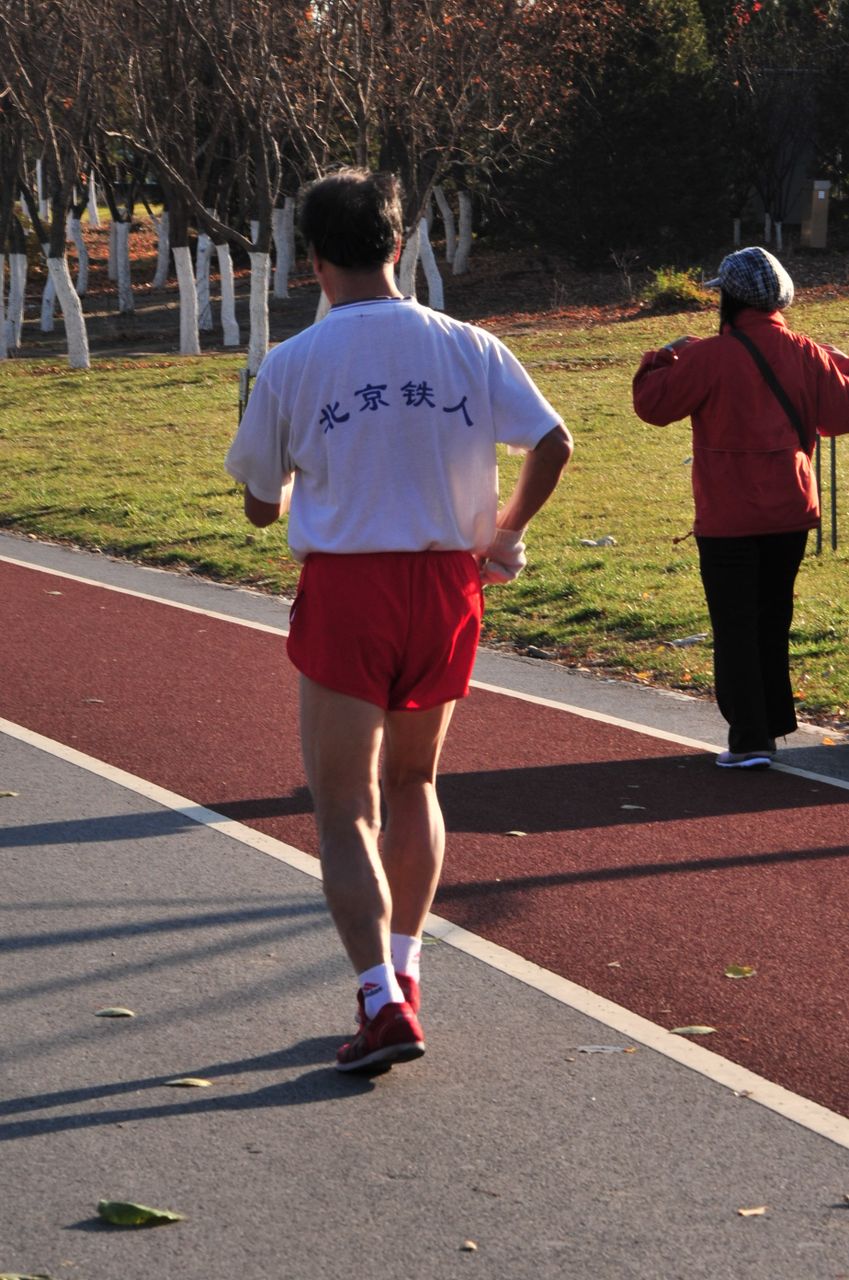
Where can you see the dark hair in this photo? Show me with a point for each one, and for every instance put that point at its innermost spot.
(353, 218)
(729, 308)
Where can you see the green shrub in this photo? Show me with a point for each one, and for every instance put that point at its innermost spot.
(671, 290)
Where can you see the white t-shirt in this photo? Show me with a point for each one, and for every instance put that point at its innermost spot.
(387, 414)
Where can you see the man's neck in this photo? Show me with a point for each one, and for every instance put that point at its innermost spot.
(343, 286)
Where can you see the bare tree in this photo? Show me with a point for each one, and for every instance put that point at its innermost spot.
(11, 233)
(204, 81)
(48, 58)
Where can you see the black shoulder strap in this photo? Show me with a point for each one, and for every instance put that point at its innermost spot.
(774, 386)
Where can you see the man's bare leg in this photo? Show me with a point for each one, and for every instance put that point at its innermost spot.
(340, 739)
(414, 834)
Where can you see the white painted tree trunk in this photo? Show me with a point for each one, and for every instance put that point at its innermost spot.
(258, 341)
(43, 207)
(736, 232)
(93, 211)
(322, 308)
(4, 336)
(204, 253)
(435, 291)
(163, 250)
(126, 302)
(779, 236)
(112, 262)
(409, 262)
(254, 231)
(189, 337)
(767, 228)
(464, 237)
(48, 303)
(447, 221)
(283, 231)
(75, 235)
(17, 295)
(229, 323)
(48, 299)
(72, 312)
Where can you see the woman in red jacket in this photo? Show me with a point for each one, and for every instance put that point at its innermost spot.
(757, 394)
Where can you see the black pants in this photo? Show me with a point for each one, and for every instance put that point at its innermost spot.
(748, 585)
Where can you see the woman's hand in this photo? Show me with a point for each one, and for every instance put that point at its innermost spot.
(678, 343)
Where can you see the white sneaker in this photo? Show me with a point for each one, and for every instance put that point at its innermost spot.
(744, 759)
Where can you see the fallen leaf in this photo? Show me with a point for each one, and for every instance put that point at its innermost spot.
(753, 1213)
(124, 1213)
(53, 593)
(632, 806)
(692, 1031)
(684, 642)
(189, 1082)
(614, 964)
(740, 971)
(468, 1246)
(605, 1048)
(8, 793)
(642, 675)
(18, 1275)
(115, 1011)
(515, 833)
(829, 742)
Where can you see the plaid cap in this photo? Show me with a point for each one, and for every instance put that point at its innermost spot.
(755, 277)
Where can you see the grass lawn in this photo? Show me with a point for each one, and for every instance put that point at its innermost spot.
(127, 457)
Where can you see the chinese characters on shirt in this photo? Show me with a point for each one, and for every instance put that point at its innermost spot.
(415, 395)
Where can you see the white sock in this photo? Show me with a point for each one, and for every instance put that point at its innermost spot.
(406, 954)
(379, 987)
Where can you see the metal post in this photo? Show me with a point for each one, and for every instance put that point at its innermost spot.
(833, 493)
(818, 465)
(245, 391)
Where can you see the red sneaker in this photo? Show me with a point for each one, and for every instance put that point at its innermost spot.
(410, 987)
(393, 1035)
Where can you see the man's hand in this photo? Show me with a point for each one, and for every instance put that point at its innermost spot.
(505, 557)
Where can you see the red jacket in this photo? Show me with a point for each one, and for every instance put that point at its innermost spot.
(750, 474)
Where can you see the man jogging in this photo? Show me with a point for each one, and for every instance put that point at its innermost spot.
(376, 429)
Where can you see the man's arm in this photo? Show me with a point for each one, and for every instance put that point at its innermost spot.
(537, 480)
(261, 513)
(542, 468)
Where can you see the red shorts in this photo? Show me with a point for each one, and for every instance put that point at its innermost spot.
(396, 628)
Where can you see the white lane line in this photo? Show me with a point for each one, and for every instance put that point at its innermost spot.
(810, 1115)
(145, 595)
(633, 726)
(600, 716)
(636, 727)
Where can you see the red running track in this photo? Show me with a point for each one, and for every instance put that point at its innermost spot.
(643, 872)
